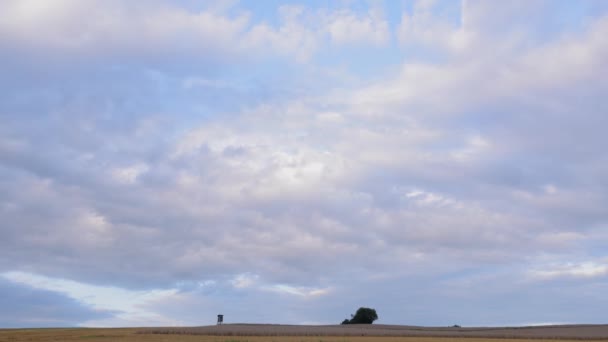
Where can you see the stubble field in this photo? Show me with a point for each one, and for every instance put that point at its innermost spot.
(278, 333)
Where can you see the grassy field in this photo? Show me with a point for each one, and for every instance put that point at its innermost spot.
(132, 335)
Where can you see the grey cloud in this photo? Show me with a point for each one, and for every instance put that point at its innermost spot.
(126, 177)
(98, 30)
(505, 297)
(24, 307)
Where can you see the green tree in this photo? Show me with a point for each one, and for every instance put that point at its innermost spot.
(362, 316)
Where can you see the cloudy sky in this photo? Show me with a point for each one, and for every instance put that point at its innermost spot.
(443, 162)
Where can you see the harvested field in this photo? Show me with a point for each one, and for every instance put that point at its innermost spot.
(572, 332)
(287, 333)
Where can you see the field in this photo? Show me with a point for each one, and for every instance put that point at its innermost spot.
(278, 333)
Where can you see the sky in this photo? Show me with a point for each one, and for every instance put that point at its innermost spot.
(162, 162)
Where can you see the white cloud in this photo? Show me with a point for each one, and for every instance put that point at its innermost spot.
(423, 26)
(584, 270)
(348, 28)
(293, 37)
(124, 30)
(128, 304)
(433, 167)
(96, 29)
(475, 145)
(550, 189)
(298, 291)
(99, 26)
(245, 280)
(129, 174)
(193, 82)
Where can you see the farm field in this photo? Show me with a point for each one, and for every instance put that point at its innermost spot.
(277, 333)
(536, 332)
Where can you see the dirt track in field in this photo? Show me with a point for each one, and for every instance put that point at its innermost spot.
(570, 332)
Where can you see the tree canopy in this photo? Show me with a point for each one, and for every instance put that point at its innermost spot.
(362, 316)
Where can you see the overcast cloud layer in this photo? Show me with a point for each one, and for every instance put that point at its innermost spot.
(165, 161)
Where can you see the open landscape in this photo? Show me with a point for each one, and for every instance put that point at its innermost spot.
(310, 333)
(383, 330)
(304, 171)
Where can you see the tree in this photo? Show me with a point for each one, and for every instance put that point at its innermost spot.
(362, 316)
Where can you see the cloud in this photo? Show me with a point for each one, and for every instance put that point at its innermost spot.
(298, 291)
(346, 27)
(423, 26)
(97, 29)
(164, 34)
(272, 158)
(129, 174)
(244, 280)
(124, 304)
(244, 168)
(25, 306)
(583, 270)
